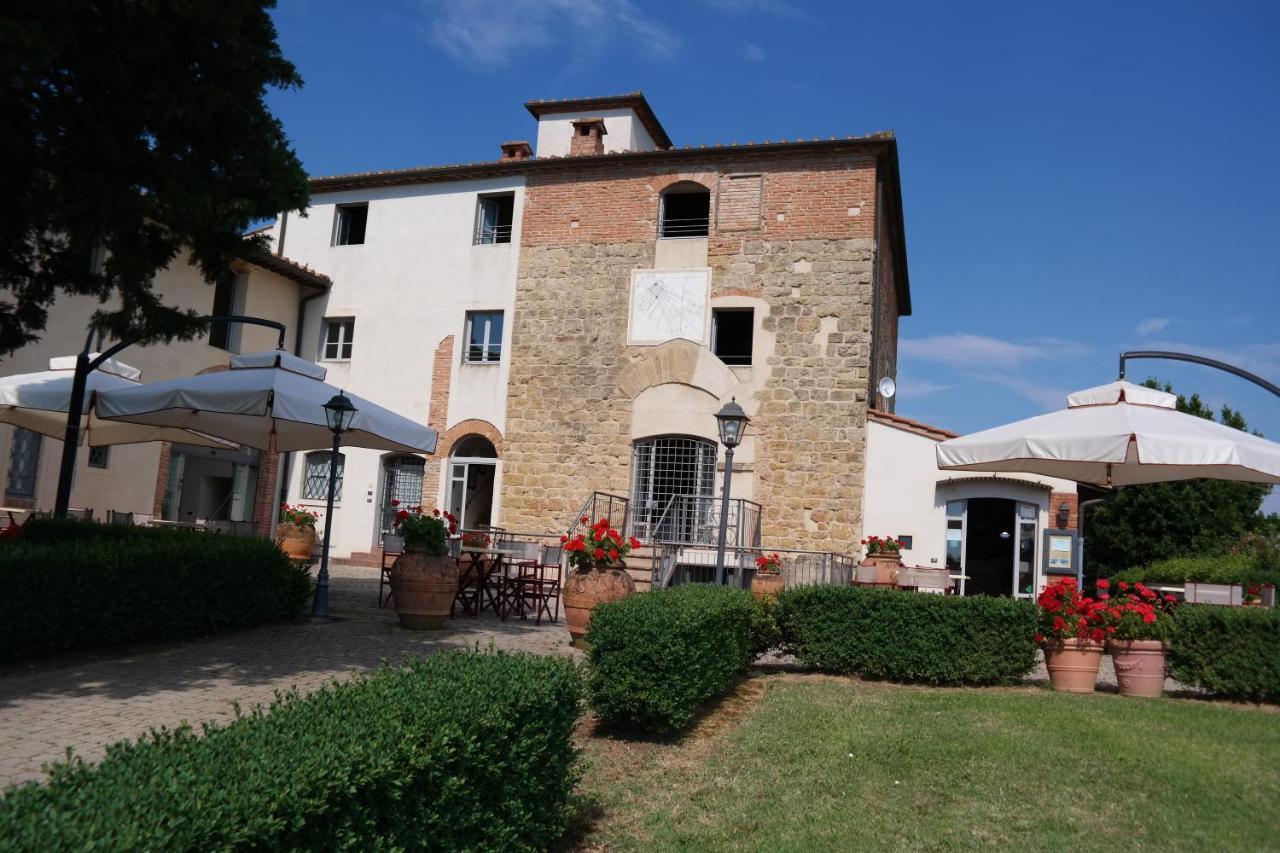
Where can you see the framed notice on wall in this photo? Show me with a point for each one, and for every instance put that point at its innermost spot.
(1060, 552)
(667, 304)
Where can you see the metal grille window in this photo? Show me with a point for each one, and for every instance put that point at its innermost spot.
(494, 215)
(24, 464)
(315, 476)
(99, 457)
(663, 468)
(339, 332)
(484, 337)
(401, 481)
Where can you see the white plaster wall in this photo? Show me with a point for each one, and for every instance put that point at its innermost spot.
(623, 132)
(408, 286)
(903, 496)
(128, 484)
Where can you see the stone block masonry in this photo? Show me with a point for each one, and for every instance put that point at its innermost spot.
(809, 251)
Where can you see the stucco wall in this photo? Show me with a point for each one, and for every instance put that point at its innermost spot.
(623, 132)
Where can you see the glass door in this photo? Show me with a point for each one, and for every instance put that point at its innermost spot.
(955, 544)
(1024, 569)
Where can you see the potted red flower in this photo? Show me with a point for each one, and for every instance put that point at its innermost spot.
(296, 531)
(1071, 634)
(475, 539)
(883, 560)
(1137, 622)
(424, 578)
(767, 582)
(597, 573)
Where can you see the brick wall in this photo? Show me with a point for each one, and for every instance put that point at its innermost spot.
(1057, 499)
(884, 342)
(437, 419)
(809, 253)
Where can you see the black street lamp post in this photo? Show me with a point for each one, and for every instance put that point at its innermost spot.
(732, 421)
(338, 412)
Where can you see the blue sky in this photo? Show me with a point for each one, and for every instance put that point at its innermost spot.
(1079, 179)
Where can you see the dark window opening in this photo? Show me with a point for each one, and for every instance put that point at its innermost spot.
(352, 219)
(338, 338)
(99, 457)
(732, 334)
(494, 215)
(224, 304)
(686, 211)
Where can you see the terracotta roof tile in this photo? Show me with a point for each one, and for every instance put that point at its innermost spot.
(899, 422)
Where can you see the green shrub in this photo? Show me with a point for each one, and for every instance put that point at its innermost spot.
(1230, 651)
(1216, 568)
(903, 636)
(87, 590)
(464, 751)
(654, 658)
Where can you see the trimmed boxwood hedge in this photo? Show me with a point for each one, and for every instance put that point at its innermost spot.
(464, 751)
(71, 585)
(653, 658)
(905, 636)
(1216, 568)
(1230, 651)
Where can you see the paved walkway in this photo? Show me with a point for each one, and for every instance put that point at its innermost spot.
(89, 702)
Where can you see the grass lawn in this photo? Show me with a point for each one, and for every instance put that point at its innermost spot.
(814, 763)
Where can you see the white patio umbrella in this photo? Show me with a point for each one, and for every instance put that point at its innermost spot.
(39, 402)
(263, 394)
(1117, 434)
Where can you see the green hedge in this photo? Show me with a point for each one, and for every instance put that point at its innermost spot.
(653, 658)
(1230, 651)
(464, 751)
(1218, 568)
(905, 636)
(101, 586)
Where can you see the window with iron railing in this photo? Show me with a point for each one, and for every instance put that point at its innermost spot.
(315, 476)
(494, 216)
(24, 463)
(484, 338)
(686, 211)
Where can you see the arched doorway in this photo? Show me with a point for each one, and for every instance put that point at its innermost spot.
(402, 482)
(473, 471)
(664, 467)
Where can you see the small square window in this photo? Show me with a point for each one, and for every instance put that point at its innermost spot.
(350, 223)
(484, 337)
(732, 335)
(99, 457)
(494, 214)
(338, 335)
(315, 476)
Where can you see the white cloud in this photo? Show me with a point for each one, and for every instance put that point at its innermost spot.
(493, 33)
(913, 387)
(781, 8)
(1262, 359)
(1153, 325)
(752, 51)
(978, 351)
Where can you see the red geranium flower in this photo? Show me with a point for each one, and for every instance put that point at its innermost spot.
(598, 553)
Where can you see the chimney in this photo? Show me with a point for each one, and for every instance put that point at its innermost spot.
(517, 150)
(588, 137)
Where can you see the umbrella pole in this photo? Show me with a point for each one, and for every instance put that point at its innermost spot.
(320, 604)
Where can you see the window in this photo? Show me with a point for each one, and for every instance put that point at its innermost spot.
(664, 468)
(732, 334)
(686, 210)
(493, 218)
(24, 464)
(228, 298)
(350, 224)
(484, 337)
(338, 334)
(99, 457)
(315, 476)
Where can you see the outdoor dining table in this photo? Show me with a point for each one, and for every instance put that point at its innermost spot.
(486, 566)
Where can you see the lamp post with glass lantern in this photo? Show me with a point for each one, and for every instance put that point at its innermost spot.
(338, 412)
(732, 421)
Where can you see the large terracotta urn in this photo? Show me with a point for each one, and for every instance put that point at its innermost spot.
(1073, 664)
(583, 590)
(879, 570)
(422, 589)
(767, 585)
(1139, 666)
(297, 540)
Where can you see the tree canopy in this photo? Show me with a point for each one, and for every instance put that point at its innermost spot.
(132, 130)
(1138, 525)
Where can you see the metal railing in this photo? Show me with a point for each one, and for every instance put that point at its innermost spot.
(676, 563)
(695, 520)
(489, 234)
(693, 226)
(600, 505)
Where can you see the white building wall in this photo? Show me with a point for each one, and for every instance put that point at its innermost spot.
(904, 497)
(408, 286)
(623, 132)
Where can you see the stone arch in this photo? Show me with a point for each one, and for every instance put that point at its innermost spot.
(682, 362)
(706, 179)
(471, 426)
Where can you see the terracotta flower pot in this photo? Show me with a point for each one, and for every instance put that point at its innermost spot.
(1073, 664)
(767, 584)
(584, 590)
(1139, 666)
(298, 541)
(422, 589)
(879, 570)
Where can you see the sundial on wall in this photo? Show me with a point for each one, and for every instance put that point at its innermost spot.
(668, 304)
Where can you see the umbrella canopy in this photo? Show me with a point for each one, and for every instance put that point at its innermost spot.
(263, 394)
(39, 402)
(1117, 434)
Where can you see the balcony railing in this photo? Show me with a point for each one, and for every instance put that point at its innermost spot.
(695, 520)
(675, 563)
(488, 234)
(695, 226)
